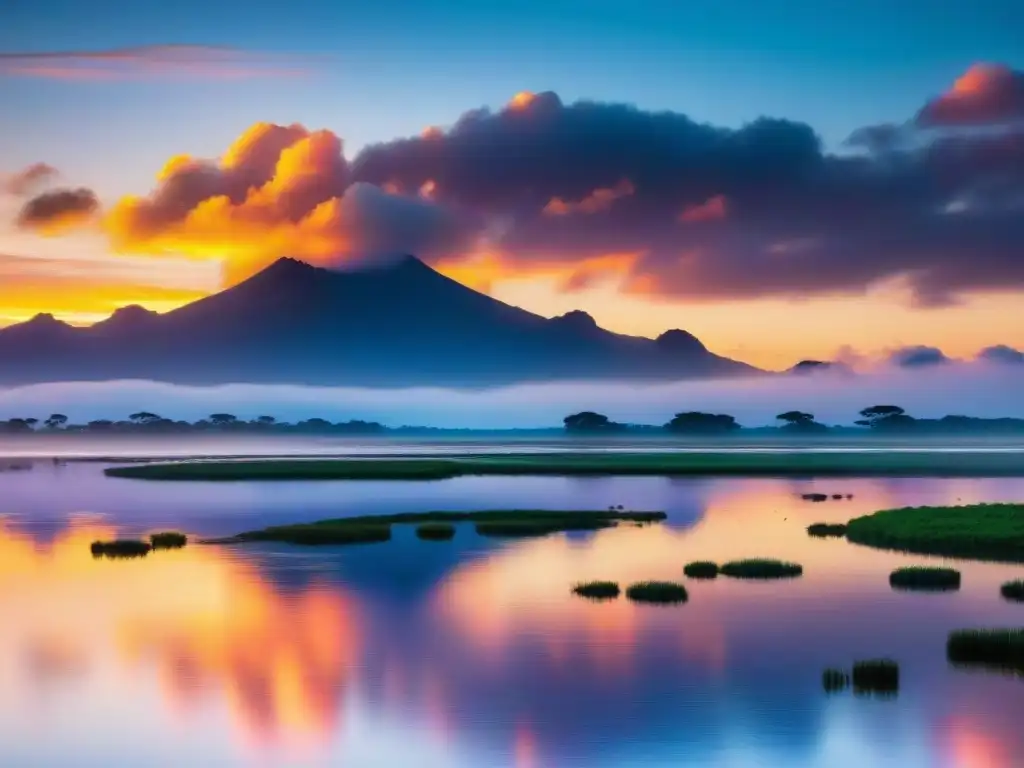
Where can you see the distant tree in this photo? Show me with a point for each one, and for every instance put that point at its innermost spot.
(882, 411)
(800, 421)
(266, 421)
(588, 421)
(315, 425)
(19, 425)
(31, 422)
(100, 425)
(886, 417)
(144, 417)
(698, 423)
(223, 419)
(56, 421)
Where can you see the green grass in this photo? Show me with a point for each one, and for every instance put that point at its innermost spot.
(999, 649)
(759, 568)
(1013, 590)
(509, 522)
(768, 463)
(662, 592)
(979, 531)
(834, 680)
(119, 548)
(435, 531)
(701, 569)
(597, 590)
(821, 530)
(168, 540)
(876, 676)
(925, 579)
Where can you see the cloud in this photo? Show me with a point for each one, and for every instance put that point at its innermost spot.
(27, 179)
(985, 94)
(1001, 353)
(540, 187)
(918, 356)
(58, 210)
(149, 61)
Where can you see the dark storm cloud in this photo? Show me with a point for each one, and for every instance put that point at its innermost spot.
(58, 209)
(778, 216)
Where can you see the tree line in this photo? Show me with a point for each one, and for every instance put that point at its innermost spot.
(887, 419)
(152, 423)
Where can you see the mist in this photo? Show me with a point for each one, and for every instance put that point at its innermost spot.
(970, 389)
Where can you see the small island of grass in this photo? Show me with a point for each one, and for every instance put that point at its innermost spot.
(597, 590)
(761, 568)
(701, 569)
(435, 531)
(998, 649)
(168, 540)
(366, 529)
(880, 677)
(822, 530)
(978, 531)
(1013, 590)
(834, 680)
(120, 548)
(663, 592)
(925, 579)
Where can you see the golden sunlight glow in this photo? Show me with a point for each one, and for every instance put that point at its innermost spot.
(522, 100)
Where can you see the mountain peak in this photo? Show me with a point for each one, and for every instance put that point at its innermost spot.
(577, 319)
(678, 341)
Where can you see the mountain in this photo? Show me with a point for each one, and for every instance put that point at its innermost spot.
(397, 325)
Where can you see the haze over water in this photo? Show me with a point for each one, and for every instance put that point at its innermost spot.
(473, 652)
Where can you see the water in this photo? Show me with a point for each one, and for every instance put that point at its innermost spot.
(472, 653)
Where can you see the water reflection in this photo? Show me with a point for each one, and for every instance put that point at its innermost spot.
(472, 653)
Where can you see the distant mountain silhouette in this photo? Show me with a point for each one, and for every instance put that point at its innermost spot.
(398, 325)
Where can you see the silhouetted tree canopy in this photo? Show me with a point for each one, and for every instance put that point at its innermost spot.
(695, 422)
(588, 421)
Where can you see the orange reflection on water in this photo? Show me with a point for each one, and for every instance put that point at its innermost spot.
(969, 747)
(201, 622)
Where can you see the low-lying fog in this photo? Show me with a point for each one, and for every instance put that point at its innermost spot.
(834, 397)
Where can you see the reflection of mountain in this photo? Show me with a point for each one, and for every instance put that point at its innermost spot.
(403, 324)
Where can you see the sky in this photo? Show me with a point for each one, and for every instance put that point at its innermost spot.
(827, 180)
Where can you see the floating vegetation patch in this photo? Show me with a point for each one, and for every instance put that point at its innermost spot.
(168, 540)
(834, 680)
(925, 579)
(1001, 650)
(878, 677)
(435, 531)
(978, 531)
(120, 548)
(662, 592)
(822, 530)
(1013, 590)
(701, 569)
(816, 497)
(761, 568)
(597, 590)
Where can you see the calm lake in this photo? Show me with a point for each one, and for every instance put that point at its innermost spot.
(473, 652)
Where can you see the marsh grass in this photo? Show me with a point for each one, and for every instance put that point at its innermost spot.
(925, 579)
(1013, 590)
(834, 680)
(499, 523)
(761, 568)
(701, 569)
(120, 548)
(435, 531)
(597, 590)
(880, 677)
(998, 649)
(168, 540)
(979, 531)
(822, 530)
(661, 592)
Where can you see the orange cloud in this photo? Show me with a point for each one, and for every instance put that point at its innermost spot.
(600, 199)
(712, 209)
(146, 61)
(481, 271)
(985, 94)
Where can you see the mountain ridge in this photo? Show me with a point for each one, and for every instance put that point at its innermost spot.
(400, 324)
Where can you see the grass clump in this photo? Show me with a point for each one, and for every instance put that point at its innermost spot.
(925, 579)
(120, 548)
(876, 676)
(435, 531)
(168, 540)
(510, 523)
(701, 569)
(1013, 590)
(834, 680)
(978, 531)
(597, 590)
(821, 530)
(759, 568)
(999, 649)
(662, 592)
